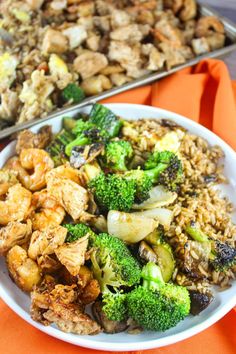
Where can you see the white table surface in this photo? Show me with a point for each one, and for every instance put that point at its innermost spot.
(228, 9)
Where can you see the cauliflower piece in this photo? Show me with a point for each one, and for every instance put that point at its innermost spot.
(15, 233)
(72, 255)
(34, 95)
(76, 35)
(90, 63)
(156, 58)
(128, 56)
(46, 242)
(70, 195)
(119, 18)
(95, 85)
(9, 105)
(8, 64)
(35, 4)
(23, 270)
(59, 71)
(54, 42)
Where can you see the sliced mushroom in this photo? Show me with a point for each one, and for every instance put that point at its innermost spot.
(108, 325)
(81, 155)
(199, 301)
(146, 252)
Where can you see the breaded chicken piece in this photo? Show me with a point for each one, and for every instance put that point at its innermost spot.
(15, 233)
(70, 195)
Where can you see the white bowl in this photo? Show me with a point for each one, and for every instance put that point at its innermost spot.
(223, 302)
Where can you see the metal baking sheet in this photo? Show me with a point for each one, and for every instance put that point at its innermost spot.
(204, 10)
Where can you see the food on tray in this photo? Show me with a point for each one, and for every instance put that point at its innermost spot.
(120, 215)
(61, 51)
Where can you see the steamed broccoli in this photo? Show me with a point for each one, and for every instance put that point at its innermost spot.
(157, 305)
(77, 231)
(114, 306)
(86, 133)
(117, 154)
(105, 119)
(73, 93)
(113, 192)
(56, 148)
(112, 262)
(222, 256)
(164, 168)
(143, 184)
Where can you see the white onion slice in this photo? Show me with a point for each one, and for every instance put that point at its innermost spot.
(159, 197)
(129, 227)
(163, 215)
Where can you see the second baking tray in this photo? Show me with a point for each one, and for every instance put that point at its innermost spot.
(230, 29)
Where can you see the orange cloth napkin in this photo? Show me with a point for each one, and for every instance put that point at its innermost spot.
(205, 94)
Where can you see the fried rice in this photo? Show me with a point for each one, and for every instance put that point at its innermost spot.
(94, 44)
(199, 199)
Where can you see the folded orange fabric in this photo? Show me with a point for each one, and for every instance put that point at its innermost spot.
(205, 94)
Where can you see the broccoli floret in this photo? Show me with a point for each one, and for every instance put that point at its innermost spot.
(86, 133)
(222, 256)
(73, 93)
(157, 305)
(114, 306)
(164, 168)
(113, 192)
(56, 148)
(112, 262)
(143, 184)
(117, 155)
(105, 120)
(77, 231)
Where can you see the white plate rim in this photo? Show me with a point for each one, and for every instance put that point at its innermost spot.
(156, 343)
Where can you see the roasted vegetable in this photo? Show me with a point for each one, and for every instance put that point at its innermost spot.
(112, 262)
(199, 301)
(164, 168)
(114, 306)
(158, 196)
(129, 227)
(105, 120)
(156, 305)
(73, 93)
(117, 155)
(163, 251)
(112, 192)
(77, 231)
(85, 133)
(222, 256)
(143, 184)
(56, 148)
(109, 326)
